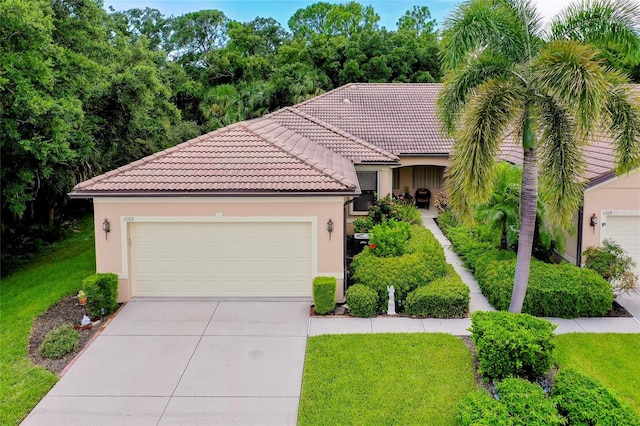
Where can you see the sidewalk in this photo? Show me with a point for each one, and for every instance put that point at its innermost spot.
(459, 327)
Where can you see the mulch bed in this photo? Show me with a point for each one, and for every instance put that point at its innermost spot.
(67, 311)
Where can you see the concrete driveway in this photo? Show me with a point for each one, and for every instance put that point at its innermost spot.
(177, 362)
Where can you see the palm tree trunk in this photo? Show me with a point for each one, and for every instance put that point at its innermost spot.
(528, 205)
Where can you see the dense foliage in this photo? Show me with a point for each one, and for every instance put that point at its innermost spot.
(519, 403)
(585, 401)
(422, 262)
(83, 90)
(512, 345)
(324, 294)
(564, 290)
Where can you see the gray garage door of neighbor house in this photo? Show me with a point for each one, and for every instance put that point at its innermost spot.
(221, 259)
(625, 230)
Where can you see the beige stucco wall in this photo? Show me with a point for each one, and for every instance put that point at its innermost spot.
(620, 194)
(112, 252)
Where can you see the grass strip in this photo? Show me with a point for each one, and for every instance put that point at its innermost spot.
(51, 275)
(610, 358)
(384, 379)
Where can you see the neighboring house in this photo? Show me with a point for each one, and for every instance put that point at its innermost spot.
(259, 208)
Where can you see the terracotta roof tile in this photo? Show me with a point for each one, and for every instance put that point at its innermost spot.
(259, 156)
(331, 137)
(399, 118)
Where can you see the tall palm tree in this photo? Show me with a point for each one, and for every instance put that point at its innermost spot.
(549, 90)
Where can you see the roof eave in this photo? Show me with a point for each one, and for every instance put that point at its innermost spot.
(162, 194)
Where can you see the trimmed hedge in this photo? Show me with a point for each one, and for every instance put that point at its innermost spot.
(422, 263)
(512, 345)
(446, 297)
(102, 294)
(362, 301)
(471, 243)
(59, 342)
(563, 290)
(324, 294)
(585, 401)
(519, 403)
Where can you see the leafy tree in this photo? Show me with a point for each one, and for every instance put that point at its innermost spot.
(552, 93)
(197, 33)
(333, 19)
(417, 20)
(147, 22)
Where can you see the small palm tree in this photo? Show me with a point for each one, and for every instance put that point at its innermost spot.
(549, 91)
(501, 209)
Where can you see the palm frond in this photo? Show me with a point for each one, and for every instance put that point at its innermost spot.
(488, 113)
(572, 73)
(608, 24)
(507, 26)
(458, 84)
(623, 113)
(562, 162)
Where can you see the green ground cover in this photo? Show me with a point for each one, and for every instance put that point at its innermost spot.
(384, 379)
(50, 276)
(609, 358)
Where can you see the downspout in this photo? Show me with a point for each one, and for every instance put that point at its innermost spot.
(344, 244)
(579, 245)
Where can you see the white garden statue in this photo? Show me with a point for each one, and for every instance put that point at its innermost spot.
(391, 307)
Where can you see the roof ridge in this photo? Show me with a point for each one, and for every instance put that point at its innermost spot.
(152, 157)
(288, 149)
(339, 131)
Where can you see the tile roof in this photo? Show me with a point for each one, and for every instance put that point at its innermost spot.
(331, 137)
(397, 117)
(259, 156)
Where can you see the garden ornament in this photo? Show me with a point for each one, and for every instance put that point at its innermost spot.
(391, 308)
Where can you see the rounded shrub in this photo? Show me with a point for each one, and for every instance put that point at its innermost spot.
(59, 342)
(512, 345)
(446, 297)
(362, 301)
(527, 403)
(389, 239)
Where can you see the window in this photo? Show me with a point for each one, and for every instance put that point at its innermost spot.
(396, 178)
(429, 177)
(368, 186)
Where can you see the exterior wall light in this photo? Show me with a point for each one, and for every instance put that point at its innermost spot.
(593, 222)
(330, 228)
(106, 227)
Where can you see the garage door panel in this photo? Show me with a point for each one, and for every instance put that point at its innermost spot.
(625, 230)
(221, 259)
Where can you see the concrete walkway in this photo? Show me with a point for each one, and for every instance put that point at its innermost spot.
(459, 327)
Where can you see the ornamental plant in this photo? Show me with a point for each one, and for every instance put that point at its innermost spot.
(614, 265)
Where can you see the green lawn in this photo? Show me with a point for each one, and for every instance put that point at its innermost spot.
(384, 379)
(26, 294)
(610, 358)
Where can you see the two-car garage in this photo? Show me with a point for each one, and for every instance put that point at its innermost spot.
(220, 259)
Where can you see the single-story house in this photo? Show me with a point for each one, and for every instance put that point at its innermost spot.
(259, 208)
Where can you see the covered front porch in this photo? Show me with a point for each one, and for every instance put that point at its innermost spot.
(418, 184)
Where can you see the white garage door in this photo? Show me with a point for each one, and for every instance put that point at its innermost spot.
(625, 230)
(221, 259)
